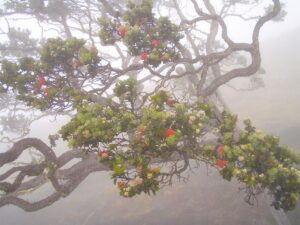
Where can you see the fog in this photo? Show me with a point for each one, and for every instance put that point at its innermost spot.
(213, 200)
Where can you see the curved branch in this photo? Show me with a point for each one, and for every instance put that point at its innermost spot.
(24, 144)
(28, 206)
(64, 181)
(253, 50)
(271, 15)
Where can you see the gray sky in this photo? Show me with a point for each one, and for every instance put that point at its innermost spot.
(292, 21)
(241, 32)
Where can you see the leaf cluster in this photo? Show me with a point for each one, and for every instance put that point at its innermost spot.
(153, 40)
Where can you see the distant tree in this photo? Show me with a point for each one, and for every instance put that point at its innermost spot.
(142, 92)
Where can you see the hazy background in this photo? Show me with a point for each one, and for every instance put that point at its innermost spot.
(203, 199)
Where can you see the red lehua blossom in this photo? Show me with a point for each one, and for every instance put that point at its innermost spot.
(143, 56)
(221, 163)
(41, 80)
(220, 149)
(122, 31)
(169, 132)
(155, 42)
(103, 153)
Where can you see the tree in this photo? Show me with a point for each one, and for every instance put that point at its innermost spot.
(143, 98)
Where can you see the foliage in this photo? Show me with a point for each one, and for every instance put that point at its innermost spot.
(259, 161)
(134, 133)
(127, 89)
(153, 40)
(41, 83)
(94, 124)
(131, 142)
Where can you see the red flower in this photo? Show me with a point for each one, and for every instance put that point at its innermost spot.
(122, 31)
(142, 129)
(103, 153)
(169, 132)
(221, 163)
(41, 80)
(155, 42)
(143, 56)
(220, 149)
